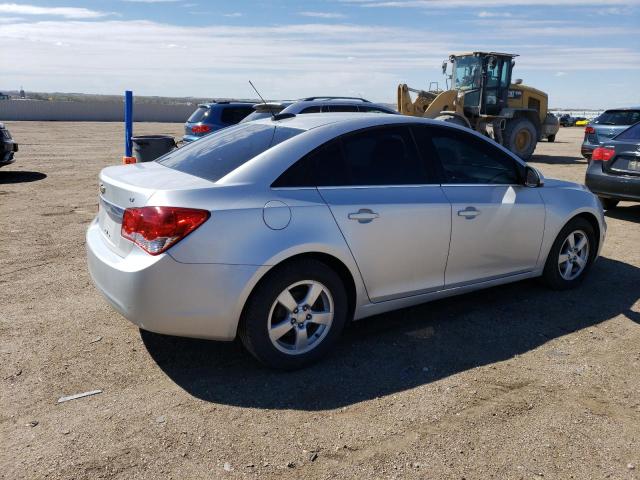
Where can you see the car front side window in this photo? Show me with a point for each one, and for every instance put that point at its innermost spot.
(466, 159)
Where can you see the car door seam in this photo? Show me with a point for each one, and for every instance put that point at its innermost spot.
(446, 263)
(345, 242)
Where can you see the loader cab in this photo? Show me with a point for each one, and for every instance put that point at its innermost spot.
(484, 80)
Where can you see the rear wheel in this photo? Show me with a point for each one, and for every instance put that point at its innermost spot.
(520, 137)
(609, 203)
(295, 315)
(571, 255)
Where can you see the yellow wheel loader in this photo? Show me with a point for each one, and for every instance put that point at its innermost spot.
(483, 97)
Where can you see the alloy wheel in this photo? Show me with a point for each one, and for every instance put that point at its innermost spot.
(574, 255)
(301, 317)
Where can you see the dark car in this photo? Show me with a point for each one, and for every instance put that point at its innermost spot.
(210, 117)
(606, 126)
(614, 170)
(567, 120)
(8, 146)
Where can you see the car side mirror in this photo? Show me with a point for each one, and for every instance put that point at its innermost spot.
(533, 178)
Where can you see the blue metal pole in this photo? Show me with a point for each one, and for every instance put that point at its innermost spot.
(128, 122)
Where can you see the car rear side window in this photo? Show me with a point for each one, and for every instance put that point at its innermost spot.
(342, 108)
(618, 117)
(371, 109)
(378, 156)
(313, 109)
(232, 115)
(631, 133)
(216, 155)
(467, 159)
(199, 115)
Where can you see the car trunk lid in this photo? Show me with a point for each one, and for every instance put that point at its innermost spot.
(129, 186)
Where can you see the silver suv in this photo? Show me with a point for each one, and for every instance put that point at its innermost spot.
(336, 104)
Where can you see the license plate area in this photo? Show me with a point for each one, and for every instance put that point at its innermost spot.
(627, 164)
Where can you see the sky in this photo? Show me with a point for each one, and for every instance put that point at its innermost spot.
(583, 53)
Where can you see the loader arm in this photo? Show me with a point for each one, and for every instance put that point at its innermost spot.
(426, 104)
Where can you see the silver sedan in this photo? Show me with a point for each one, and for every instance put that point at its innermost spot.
(283, 230)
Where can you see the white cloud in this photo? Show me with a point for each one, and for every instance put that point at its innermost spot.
(66, 12)
(561, 74)
(232, 15)
(485, 14)
(285, 61)
(327, 15)
(150, 1)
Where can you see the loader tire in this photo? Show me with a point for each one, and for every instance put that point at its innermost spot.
(520, 136)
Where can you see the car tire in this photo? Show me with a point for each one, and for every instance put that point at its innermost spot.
(279, 301)
(520, 137)
(551, 138)
(557, 274)
(609, 203)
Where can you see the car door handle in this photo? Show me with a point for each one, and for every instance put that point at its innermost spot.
(364, 215)
(469, 213)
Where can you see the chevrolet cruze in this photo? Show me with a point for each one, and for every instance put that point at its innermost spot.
(283, 230)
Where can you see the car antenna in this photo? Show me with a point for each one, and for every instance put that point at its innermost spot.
(273, 116)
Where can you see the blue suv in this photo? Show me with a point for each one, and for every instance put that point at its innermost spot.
(210, 117)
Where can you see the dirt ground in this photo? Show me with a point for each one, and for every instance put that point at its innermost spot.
(513, 382)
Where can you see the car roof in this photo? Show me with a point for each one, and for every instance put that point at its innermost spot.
(229, 103)
(310, 121)
(300, 105)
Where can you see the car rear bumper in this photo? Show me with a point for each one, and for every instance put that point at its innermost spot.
(619, 187)
(161, 295)
(7, 151)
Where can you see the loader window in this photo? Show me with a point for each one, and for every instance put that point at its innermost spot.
(468, 73)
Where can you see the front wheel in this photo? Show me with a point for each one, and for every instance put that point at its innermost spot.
(551, 138)
(295, 315)
(571, 255)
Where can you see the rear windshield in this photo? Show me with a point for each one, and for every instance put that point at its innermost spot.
(218, 154)
(618, 117)
(199, 115)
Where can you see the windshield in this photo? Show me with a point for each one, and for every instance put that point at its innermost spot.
(218, 154)
(467, 73)
(618, 117)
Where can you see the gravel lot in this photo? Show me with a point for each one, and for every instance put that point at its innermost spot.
(512, 382)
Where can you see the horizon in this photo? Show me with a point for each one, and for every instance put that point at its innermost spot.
(580, 52)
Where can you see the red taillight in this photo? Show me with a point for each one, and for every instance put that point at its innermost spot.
(589, 131)
(155, 229)
(603, 154)
(200, 129)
